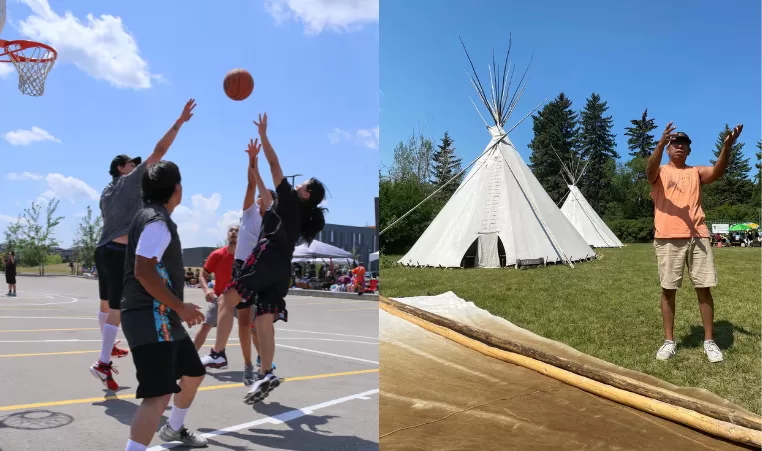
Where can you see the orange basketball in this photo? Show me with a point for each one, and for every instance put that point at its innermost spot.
(238, 84)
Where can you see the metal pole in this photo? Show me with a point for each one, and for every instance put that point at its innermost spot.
(293, 178)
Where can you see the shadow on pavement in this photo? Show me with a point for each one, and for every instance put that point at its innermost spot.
(35, 420)
(123, 410)
(303, 434)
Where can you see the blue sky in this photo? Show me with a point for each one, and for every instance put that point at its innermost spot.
(691, 62)
(123, 76)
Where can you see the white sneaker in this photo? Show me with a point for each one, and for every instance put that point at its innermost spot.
(667, 350)
(712, 351)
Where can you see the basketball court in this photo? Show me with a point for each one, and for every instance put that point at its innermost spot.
(49, 336)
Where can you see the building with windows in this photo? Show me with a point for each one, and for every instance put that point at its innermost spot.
(362, 241)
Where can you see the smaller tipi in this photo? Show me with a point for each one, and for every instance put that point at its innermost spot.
(582, 215)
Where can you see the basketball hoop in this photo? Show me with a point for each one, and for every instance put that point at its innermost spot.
(32, 60)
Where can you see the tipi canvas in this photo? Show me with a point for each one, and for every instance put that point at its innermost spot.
(584, 218)
(500, 208)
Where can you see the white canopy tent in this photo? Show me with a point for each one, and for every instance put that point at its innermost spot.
(373, 257)
(500, 207)
(318, 249)
(582, 215)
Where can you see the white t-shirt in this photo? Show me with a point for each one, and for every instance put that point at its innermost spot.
(154, 240)
(248, 234)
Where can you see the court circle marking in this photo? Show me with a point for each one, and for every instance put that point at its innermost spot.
(45, 295)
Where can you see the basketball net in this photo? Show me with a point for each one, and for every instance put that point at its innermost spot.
(32, 60)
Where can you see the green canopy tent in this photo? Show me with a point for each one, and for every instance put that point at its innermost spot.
(739, 227)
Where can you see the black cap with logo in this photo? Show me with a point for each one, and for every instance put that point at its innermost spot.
(679, 136)
(121, 160)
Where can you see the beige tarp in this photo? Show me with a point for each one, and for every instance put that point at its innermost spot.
(428, 382)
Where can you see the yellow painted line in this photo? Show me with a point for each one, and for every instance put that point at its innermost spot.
(41, 354)
(352, 309)
(49, 330)
(335, 302)
(69, 402)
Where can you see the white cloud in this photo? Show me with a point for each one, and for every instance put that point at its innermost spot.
(24, 176)
(25, 137)
(70, 188)
(367, 137)
(101, 46)
(11, 219)
(5, 70)
(59, 186)
(202, 224)
(320, 15)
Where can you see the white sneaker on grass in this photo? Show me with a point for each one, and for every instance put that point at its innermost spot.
(712, 351)
(667, 350)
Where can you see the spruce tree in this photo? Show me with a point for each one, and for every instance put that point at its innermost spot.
(556, 130)
(445, 165)
(598, 149)
(758, 165)
(641, 142)
(734, 187)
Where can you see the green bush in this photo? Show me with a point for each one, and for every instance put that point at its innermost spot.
(53, 259)
(632, 230)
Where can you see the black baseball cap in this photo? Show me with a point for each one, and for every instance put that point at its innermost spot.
(121, 160)
(680, 136)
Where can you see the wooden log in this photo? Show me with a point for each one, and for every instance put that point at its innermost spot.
(619, 381)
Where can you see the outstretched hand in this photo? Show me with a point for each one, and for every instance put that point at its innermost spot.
(733, 135)
(187, 113)
(262, 124)
(254, 148)
(665, 137)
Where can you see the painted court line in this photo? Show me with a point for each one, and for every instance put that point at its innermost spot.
(69, 402)
(49, 330)
(80, 340)
(50, 296)
(49, 317)
(326, 353)
(326, 333)
(278, 419)
(352, 309)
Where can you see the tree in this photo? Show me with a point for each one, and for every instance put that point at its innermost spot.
(556, 131)
(641, 142)
(734, 187)
(445, 166)
(412, 161)
(88, 235)
(598, 149)
(39, 237)
(758, 165)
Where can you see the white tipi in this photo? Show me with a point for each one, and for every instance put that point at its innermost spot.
(582, 215)
(500, 209)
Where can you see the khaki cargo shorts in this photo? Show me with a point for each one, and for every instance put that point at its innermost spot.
(674, 254)
(212, 311)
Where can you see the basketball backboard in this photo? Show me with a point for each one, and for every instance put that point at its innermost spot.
(2, 15)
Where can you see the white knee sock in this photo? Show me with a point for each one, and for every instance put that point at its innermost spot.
(177, 418)
(102, 320)
(107, 345)
(135, 446)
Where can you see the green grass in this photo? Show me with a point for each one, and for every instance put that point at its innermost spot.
(59, 268)
(609, 308)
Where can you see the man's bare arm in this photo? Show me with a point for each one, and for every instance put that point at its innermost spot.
(709, 174)
(166, 141)
(149, 278)
(654, 161)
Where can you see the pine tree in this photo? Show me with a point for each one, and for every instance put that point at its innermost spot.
(734, 187)
(556, 131)
(641, 142)
(598, 149)
(445, 165)
(758, 165)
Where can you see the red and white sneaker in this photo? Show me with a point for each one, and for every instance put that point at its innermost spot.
(118, 352)
(103, 371)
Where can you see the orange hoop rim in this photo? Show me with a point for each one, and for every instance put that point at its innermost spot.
(24, 45)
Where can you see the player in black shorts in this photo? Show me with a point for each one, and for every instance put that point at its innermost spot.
(152, 312)
(263, 279)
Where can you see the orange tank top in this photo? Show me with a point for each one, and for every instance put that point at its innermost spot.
(677, 204)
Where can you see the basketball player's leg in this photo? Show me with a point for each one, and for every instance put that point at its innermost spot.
(226, 303)
(110, 267)
(244, 338)
(210, 322)
(100, 267)
(158, 367)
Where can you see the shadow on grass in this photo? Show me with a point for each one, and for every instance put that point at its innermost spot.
(302, 433)
(724, 335)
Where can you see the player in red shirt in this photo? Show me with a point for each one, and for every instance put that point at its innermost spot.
(219, 263)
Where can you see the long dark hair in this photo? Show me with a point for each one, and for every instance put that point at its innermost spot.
(313, 216)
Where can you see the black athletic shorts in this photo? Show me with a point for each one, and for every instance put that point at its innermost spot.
(160, 365)
(109, 262)
(263, 281)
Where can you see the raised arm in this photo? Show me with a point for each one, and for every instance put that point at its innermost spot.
(709, 174)
(654, 161)
(272, 158)
(253, 151)
(166, 141)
